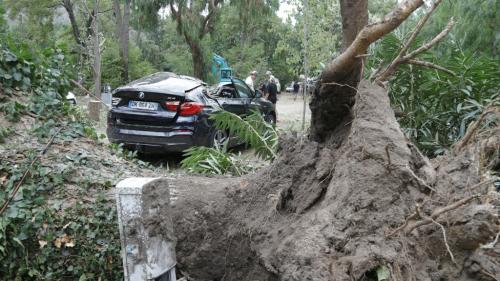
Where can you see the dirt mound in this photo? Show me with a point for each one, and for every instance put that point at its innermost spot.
(362, 202)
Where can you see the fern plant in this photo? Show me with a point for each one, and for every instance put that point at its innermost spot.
(209, 160)
(253, 130)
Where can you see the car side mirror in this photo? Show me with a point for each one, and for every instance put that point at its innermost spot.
(258, 94)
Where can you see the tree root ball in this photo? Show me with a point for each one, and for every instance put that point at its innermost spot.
(323, 211)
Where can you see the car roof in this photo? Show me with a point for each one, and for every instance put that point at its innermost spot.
(163, 82)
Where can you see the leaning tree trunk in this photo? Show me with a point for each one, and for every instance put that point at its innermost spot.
(355, 199)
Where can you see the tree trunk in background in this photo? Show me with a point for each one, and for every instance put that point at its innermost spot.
(97, 64)
(122, 34)
(199, 70)
(125, 39)
(68, 6)
(354, 17)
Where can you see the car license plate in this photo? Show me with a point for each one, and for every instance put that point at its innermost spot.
(143, 105)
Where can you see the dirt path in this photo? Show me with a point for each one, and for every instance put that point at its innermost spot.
(290, 110)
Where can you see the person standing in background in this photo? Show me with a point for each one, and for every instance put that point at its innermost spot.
(272, 94)
(251, 79)
(270, 75)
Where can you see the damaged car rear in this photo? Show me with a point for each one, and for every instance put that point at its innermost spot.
(163, 111)
(167, 112)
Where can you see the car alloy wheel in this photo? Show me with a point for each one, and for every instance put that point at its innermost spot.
(269, 118)
(219, 138)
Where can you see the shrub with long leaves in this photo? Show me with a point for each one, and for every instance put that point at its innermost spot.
(438, 106)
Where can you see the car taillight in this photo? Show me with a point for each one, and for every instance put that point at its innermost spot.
(190, 108)
(171, 105)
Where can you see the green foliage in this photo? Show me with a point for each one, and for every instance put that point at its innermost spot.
(14, 72)
(112, 66)
(476, 26)
(4, 133)
(253, 130)
(43, 236)
(216, 161)
(439, 106)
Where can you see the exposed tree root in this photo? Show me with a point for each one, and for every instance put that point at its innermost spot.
(322, 212)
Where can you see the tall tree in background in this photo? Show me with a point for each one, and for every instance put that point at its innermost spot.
(94, 105)
(195, 19)
(122, 17)
(68, 6)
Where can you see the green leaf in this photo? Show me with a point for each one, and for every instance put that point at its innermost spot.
(383, 273)
(18, 241)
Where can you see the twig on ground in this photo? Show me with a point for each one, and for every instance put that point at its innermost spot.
(445, 240)
(18, 186)
(419, 180)
(489, 274)
(492, 244)
(407, 228)
(439, 212)
(413, 216)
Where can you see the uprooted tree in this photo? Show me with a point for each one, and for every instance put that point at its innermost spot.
(355, 201)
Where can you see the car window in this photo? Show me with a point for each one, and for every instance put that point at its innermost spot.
(243, 89)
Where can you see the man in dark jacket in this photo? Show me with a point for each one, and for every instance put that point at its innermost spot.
(272, 91)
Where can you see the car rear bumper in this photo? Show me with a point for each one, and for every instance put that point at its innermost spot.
(168, 138)
(173, 141)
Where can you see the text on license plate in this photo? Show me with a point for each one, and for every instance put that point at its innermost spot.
(143, 105)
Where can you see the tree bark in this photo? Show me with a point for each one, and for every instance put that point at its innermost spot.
(199, 66)
(68, 6)
(122, 33)
(97, 61)
(181, 13)
(334, 94)
(354, 15)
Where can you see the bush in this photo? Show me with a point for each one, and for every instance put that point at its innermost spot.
(438, 106)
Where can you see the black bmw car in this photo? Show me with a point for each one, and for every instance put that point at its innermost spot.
(169, 112)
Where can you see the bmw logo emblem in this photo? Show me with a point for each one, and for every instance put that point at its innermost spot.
(141, 95)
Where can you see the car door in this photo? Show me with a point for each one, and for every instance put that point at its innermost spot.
(245, 96)
(229, 99)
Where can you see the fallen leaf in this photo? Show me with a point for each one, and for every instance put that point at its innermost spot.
(57, 243)
(65, 239)
(42, 243)
(66, 225)
(3, 180)
(70, 244)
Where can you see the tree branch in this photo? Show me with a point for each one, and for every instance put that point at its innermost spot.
(433, 42)
(391, 68)
(403, 57)
(342, 65)
(418, 28)
(430, 65)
